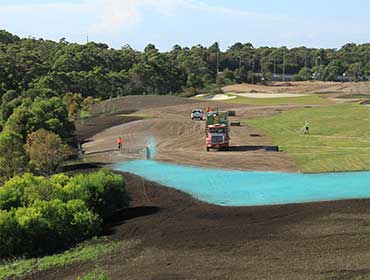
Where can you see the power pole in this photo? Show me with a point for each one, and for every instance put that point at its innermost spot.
(253, 70)
(274, 68)
(218, 59)
(284, 67)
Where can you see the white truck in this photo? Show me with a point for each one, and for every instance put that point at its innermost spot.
(197, 114)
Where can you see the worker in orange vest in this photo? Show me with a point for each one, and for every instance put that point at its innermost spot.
(119, 143)
(209, 109)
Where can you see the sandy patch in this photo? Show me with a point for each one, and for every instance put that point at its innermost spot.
(332, 88)
(200, 95)
(268, 95)
(218, 97)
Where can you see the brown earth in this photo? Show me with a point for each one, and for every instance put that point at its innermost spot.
(332, 88)
(181, 140)
(182, 238)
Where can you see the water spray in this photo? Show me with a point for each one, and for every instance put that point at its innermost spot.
(151, 148)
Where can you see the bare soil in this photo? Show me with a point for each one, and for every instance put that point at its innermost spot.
(333, 89)
(181, 140)
(182, 238)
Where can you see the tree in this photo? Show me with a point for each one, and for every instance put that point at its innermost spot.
(13, 158)
(50, 114)
(241, 75)
(354, 71)
(31, 69)
(46, 151)
(73, 101)
(304, 74)
(333, 70)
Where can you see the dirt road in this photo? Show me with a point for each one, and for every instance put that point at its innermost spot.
(181, 140)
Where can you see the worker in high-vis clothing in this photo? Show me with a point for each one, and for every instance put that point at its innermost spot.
(306, 128)
(119, 143)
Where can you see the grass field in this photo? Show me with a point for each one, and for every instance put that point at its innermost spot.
(302, 100)
(339, 139)
(83, 253)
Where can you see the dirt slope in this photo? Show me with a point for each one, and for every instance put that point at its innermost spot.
(181, 140)
(182, 238)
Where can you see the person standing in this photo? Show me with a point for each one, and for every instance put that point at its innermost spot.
(147, 150)
(119, 143)
(306, 128)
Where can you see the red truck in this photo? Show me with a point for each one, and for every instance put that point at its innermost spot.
(217, 130)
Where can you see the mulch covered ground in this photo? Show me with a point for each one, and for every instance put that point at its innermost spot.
(182, 238)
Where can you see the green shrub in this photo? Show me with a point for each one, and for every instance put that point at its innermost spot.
(45, 227)
(39, 215)
(10, 238)
(13, 159)
(106, 191)
(24, 190)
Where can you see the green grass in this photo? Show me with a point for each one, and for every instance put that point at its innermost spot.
(84, 114)
(23, 267)
(312, 99)
(339, 140)
(94, 275)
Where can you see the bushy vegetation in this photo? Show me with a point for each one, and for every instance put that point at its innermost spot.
(46, 151)
(13, 158)
(39, 215)
(43, 153)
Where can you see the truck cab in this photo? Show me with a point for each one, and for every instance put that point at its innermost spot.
(197, 114)
(217, 131)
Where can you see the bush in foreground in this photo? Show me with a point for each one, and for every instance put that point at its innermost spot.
(101, 190)
(39, 215)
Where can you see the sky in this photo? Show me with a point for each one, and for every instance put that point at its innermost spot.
(165, 23)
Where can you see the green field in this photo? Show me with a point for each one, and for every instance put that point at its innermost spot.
(300, 100)
(339, 140)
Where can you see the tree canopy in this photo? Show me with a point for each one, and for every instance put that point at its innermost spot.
(94, 69)
(46, 84)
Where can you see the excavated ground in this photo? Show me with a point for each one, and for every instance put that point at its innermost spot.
(182, 238)
(181, 140)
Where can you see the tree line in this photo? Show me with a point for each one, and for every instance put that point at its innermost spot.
(95, 70)
(46, 84)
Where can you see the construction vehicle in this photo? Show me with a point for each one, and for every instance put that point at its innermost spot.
(217, 130)
(197, 114)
